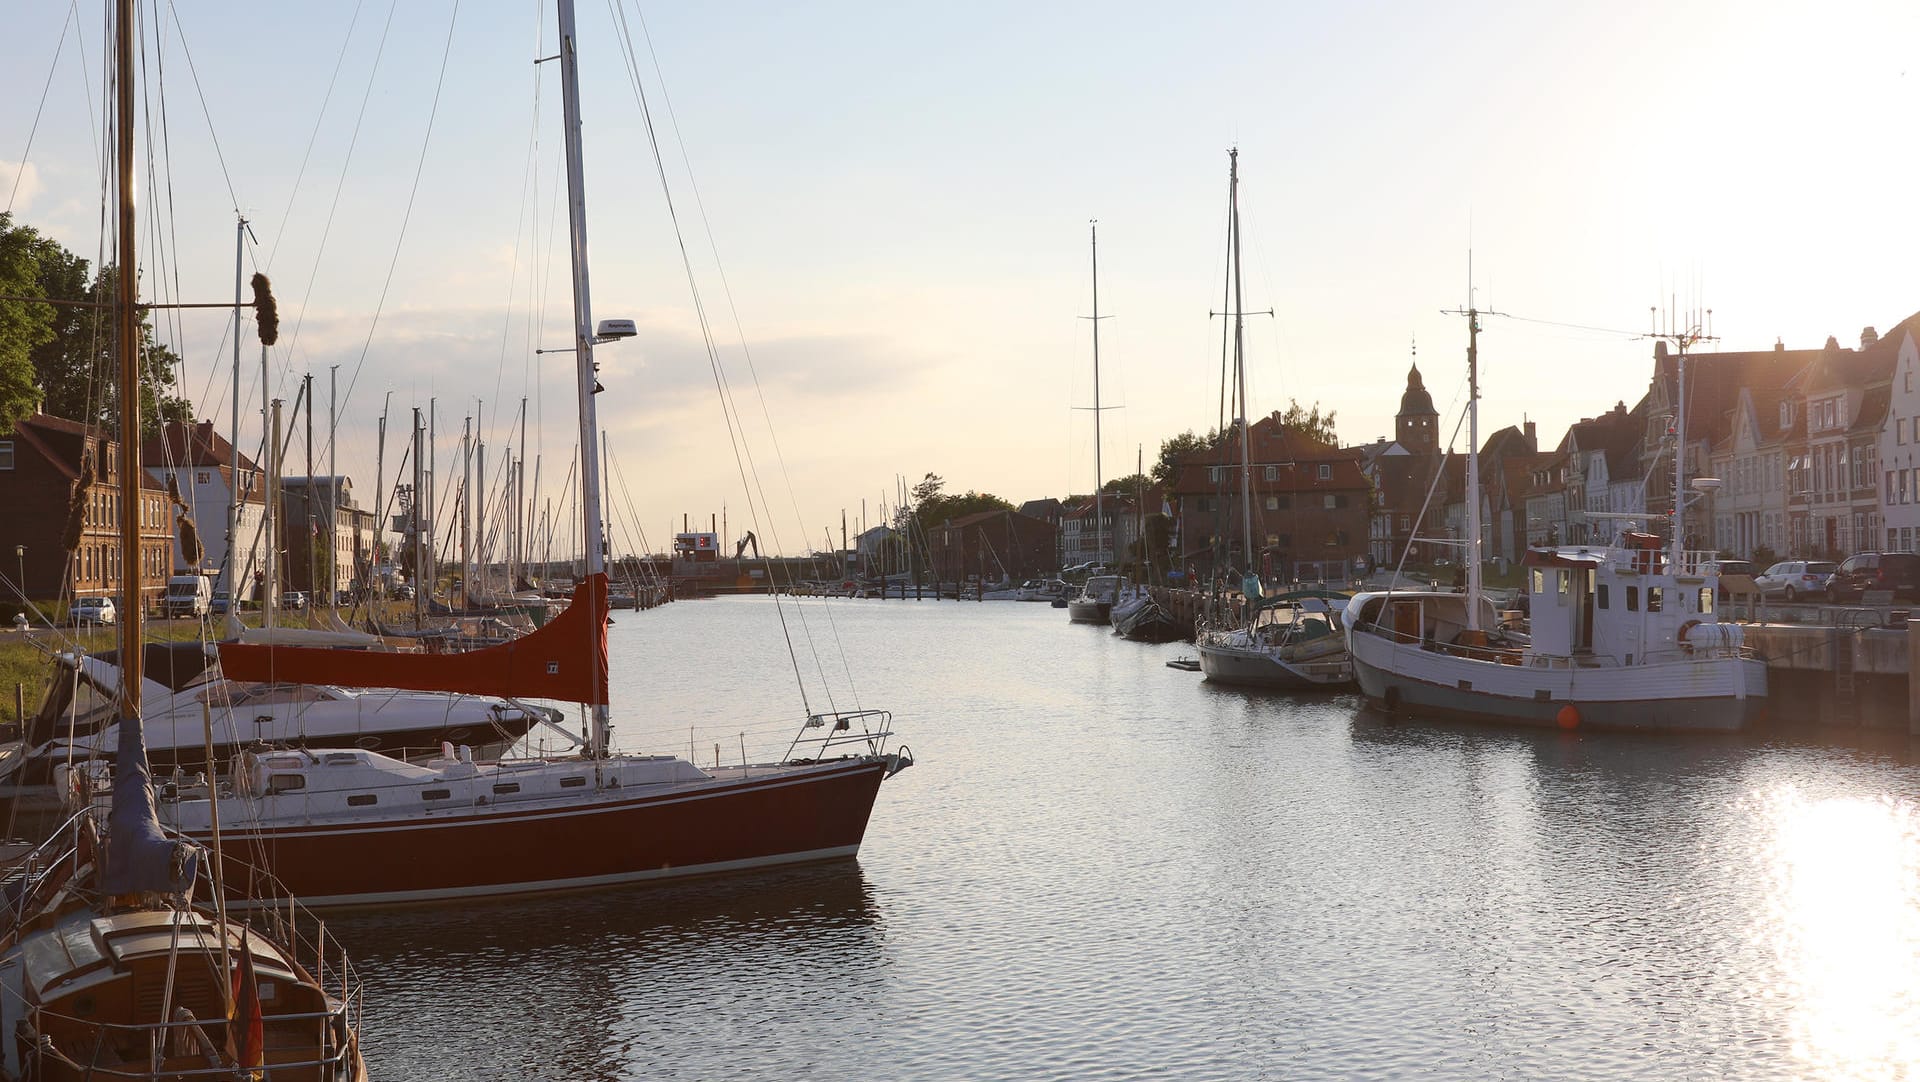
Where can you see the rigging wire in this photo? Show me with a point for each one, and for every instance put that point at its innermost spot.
(420, 166)
(742, 452)
(733, 309)
(26, 154)
(313, 136)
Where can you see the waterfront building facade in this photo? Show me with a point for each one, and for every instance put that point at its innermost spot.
(44, 461)
(195, 461)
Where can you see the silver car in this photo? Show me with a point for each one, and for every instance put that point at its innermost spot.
(1794, 579)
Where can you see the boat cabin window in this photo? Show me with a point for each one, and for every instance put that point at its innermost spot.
(506, 788)
(1653, 599)
(1564, 580)
(1600, 595)
(572, 783)
(285, 783)
(1706, 599)
(1633, 599)
(436, 794)
(1539, 581)
(361, 800)
(342, 758)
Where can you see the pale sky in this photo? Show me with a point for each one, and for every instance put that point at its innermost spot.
(900, 197)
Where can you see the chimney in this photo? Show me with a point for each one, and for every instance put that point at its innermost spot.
(1779, 345)
(1533, 442)
(1868, 336)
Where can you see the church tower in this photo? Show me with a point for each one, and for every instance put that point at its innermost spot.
(1417, 427)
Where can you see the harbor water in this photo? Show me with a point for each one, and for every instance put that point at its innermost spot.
(1104, 868)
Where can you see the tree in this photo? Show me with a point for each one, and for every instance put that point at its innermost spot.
(25, 326)
(1310, 422)
(1173, 449)
(78, 370)
(1128, 486)
(69, 348)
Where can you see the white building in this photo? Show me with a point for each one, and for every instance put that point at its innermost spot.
(1899, 446)
(201, 467)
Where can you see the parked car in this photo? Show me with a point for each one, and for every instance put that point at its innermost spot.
(220, 604)
(92, 610)
(293, 599)
(403, 592)
(1795, 579)
(1896, 572)
(1723, 568)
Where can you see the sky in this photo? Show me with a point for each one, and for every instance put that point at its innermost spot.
(886, 208)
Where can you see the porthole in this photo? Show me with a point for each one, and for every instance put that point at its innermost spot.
(506, 788)
(436, 794)
(572, 783)
(361, 800)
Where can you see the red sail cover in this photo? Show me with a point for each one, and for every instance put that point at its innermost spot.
(557, 661)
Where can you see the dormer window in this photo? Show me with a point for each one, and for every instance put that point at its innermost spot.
(1786, 413)
(1326, 471)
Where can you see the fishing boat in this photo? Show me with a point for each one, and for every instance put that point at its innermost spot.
(1290, 641)
(117, 957)
(356, 827)
(1622, 635)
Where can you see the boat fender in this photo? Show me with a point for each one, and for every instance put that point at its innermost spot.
(1568, 718)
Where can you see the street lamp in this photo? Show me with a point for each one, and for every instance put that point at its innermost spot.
(20, 554)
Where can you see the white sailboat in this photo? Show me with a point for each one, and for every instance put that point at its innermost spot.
(1623, 635)
(1095, 600)
(1294, 641)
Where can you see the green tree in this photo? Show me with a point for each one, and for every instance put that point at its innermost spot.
(25, 326)
(78, 369)
(1128, 486)
(1310, 422)
(1174, 449)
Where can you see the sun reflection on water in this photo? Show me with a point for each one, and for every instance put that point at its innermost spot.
(1843, 924)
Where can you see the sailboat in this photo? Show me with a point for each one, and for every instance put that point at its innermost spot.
(117, 958)
(353, 827)
(1293, 641)
(1098, 594)
(1623, 635)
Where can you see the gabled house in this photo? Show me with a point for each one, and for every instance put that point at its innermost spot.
(42, 464)
(1899, 441)
(1310, 506)
(199, 464)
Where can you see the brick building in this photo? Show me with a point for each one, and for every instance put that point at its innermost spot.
(993, 545)
(1311, 506)
(40, 461)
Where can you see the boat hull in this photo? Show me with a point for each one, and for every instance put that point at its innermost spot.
(1089, 612)
(739, 821)
(1258, 669)
(1718, 694)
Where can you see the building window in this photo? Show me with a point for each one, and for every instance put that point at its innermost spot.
(1273, 503)
(1600, 595)
(201, 477)
(6, 454)
(1326, 471)
(1213, 474)
(1327, 501)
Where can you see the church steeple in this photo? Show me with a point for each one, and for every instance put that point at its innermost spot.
(1417, 427)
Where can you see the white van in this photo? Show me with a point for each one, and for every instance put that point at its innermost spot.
(187, 595)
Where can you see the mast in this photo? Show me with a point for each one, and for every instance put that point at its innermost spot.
(233, 430)
(1473, 468)
(1099, 532)
(1679, 458)
(333, 490)
(422, 580)
(270, 577)
(466, 513)
(128, 279)
(306, 499)
(584, 367)
(1240, 361)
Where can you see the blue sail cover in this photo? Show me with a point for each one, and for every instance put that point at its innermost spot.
(139, 857)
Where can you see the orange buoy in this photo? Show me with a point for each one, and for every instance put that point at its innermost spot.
(1568, 717)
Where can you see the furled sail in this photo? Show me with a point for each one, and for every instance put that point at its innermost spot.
(557, 661)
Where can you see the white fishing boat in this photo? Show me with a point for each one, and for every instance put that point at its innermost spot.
(1622, 636)
(1094, 603)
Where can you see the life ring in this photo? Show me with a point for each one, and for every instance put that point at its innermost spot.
(1680, 637)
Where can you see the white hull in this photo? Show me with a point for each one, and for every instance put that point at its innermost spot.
(1706, 694)
(1253, 667)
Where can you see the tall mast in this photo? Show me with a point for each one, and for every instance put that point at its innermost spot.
(466, 513)
(1099, 478)
(1240, 362)
(306, 500)
(1472, 554)
(270, 575)
(422, 576)
(584, 367)
(1679, 458)
(128, 279)
(233, 430)
(333, 490)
